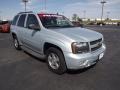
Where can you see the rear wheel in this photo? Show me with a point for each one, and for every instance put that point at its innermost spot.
(55, 61)
(16, 43)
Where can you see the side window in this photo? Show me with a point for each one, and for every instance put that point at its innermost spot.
(21, 20)
(15, 20)
(31, 20)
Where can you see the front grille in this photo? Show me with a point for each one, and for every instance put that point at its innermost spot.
(95, 42)
(95, 48)
(95, 45)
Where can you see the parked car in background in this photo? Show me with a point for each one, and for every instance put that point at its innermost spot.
(5, 26)
(90, 23)
(101, 23)
(118, 24)
(77, 24)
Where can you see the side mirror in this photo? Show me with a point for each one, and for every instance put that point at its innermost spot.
(33, 26)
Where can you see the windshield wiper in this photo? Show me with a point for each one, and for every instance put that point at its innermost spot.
(51, 26)
(57, 26)
(67, 26)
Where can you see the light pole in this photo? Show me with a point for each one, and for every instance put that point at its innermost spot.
(25, 2)
(102, 2)
(84, 14)
(0, 15)
(108, 15)
(45, 4)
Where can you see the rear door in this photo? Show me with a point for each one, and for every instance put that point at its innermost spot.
(21, 28)
(14, 22)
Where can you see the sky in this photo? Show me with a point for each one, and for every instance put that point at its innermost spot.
(9, 8)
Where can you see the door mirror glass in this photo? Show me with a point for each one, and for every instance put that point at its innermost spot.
(33, 26)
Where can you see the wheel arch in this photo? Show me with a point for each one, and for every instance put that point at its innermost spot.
(47, 45)
(14, 35)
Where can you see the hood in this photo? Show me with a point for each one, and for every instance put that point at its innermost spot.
(79, 34)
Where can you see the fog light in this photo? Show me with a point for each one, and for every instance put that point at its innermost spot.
(86, 62)
(83, 63)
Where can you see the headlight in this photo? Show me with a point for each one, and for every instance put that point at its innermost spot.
(80, 47)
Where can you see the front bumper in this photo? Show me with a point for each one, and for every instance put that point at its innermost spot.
(79, 61)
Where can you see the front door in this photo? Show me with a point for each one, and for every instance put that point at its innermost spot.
(33, 37)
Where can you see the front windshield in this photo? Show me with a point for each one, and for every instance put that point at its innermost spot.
(55, 21)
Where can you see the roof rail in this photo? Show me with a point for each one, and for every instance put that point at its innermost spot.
(25, 12)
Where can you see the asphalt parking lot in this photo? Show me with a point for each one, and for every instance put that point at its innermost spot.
(21, 71)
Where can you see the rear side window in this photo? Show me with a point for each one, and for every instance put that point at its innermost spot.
(21, 20)
(31, 20)
(15, 20)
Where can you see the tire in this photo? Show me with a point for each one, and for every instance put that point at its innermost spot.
(16, 43)
(56, 64)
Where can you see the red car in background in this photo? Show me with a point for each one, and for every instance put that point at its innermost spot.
(5, 26)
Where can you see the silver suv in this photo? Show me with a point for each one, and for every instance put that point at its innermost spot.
(54, 38)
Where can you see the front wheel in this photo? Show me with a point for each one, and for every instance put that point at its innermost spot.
(55, 61)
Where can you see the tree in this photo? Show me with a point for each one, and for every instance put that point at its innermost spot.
(79, 19)
(74, 17)
(88, 20)
(107, 19)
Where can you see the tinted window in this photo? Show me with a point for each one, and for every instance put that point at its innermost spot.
(32, 20)
(15, 20)
(54, 21)
(21, 20)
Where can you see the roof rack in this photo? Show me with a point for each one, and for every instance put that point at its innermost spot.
(25, 12)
